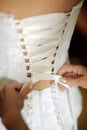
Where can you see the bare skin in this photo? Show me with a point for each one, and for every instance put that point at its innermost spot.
(27, 8)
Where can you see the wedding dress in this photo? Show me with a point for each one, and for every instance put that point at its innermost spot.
(35, 48)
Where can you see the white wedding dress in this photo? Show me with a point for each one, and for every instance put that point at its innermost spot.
(35, 48)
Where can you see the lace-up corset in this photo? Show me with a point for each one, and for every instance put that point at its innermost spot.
(38, 44)
(39, 41)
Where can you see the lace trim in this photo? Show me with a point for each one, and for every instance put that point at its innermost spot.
(57, 106)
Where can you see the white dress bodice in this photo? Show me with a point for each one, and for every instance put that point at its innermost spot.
(35, 48)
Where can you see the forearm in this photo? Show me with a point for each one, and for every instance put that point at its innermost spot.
(14, 121)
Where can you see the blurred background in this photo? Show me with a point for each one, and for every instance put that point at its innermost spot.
(78, 55)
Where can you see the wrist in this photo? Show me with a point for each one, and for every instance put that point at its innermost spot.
(14, 121)
(10, 118)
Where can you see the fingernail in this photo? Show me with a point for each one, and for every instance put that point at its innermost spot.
(62, 80)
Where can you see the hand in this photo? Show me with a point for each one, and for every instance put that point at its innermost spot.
(11, 100)
(74, 75)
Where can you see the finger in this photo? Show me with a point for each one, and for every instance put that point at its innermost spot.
(26, 88)
(73, 81)
(75, 69)
(68, 68)
(65, 68)
(13, 85)
(25, 91)
(68, 74)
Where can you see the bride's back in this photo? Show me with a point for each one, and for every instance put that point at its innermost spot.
(26, 8)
